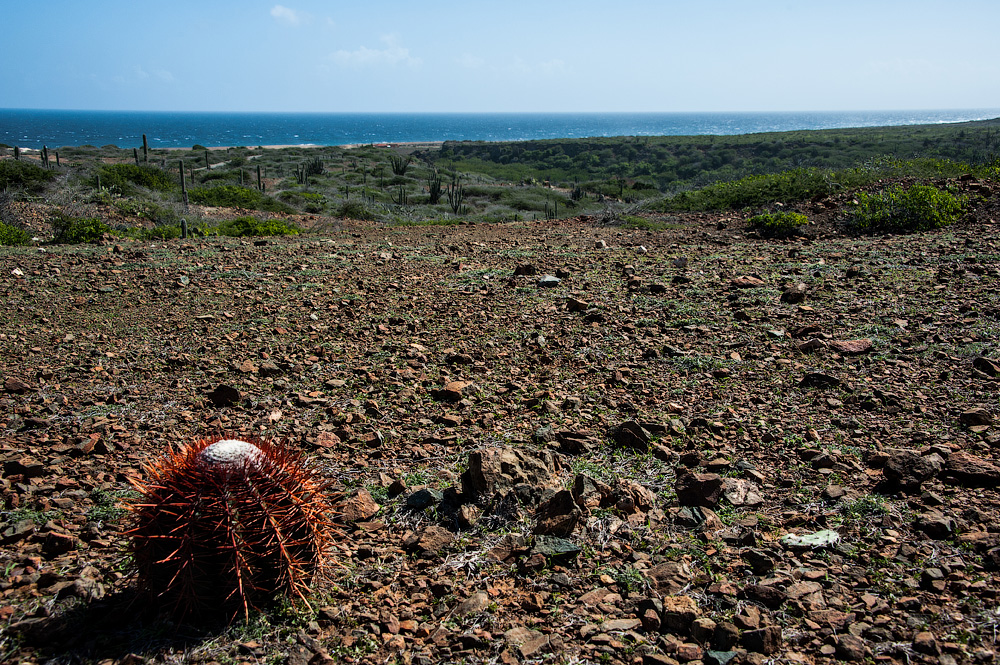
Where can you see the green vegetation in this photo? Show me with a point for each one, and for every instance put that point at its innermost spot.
(11, 236)
(122, 177)
(898, 210)
(611, 179)
(24, 176)
(234, 196)
(76, 230)
(251, 226)
(778, 224)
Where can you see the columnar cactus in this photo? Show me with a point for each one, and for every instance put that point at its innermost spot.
(225, 525)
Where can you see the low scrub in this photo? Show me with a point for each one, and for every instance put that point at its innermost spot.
(755, 191)
(778, 224)
(234, 196)
(11, 236)
(251, 226)
(899, 210)
(25, 176)
(76, 230)
(124, 177)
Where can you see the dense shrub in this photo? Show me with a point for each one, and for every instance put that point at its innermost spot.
(755, 191)
(123, 176)
(75, 230)
(251, 226)
(355, 210)
(898, 210)
(778, 224)
(164, 232)
(23, 175)
(234, 196)
(12, 235)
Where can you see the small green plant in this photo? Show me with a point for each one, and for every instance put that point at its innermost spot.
(898, 210)
(11, 236)
(76, 230)
(778, 224)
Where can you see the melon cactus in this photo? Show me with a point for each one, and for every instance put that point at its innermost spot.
(224, 525)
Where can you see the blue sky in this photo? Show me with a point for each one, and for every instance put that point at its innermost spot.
(388, 55)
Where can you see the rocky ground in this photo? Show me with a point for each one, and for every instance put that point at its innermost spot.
(552, 442)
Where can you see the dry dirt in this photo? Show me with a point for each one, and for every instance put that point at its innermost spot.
(670, 409)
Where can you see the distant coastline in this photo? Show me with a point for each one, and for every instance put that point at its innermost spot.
(29, 128)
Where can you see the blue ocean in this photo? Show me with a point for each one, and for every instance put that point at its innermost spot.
(29, 128)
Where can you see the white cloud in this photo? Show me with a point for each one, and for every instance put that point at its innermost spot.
(393, 54)
(286, 15)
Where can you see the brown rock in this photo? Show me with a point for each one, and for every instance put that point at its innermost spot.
(477, 602)
(977, 417)
(359, 507)
(429, 540)
(763, 640)
(747, 282)
(453, 391)
(679, 612)
(669, 577)
(500, 469)
(17, 386)
(970, 471)
(851, 347)
(558, 516)
(850, 647)
(698, 489)
(225, 395)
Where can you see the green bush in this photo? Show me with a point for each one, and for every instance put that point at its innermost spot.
(165, 232)
(123, 176)
(12, 235)
(755, 191)
(778, 224)
(23, 175)
(76, 230)
(355, 210)
(234, 196)
(251, 226)
(898, 210)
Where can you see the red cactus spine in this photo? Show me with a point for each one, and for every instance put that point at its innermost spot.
(224, 525)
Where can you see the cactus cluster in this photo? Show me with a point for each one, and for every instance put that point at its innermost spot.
(224, 525)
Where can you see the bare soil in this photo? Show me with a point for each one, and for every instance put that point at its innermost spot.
(699, 392)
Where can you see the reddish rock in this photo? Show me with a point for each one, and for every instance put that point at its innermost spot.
(698, 489)
(851, 347)
(359, 507)
(969, 470)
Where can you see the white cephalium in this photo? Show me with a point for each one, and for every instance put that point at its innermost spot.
(230, 452)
